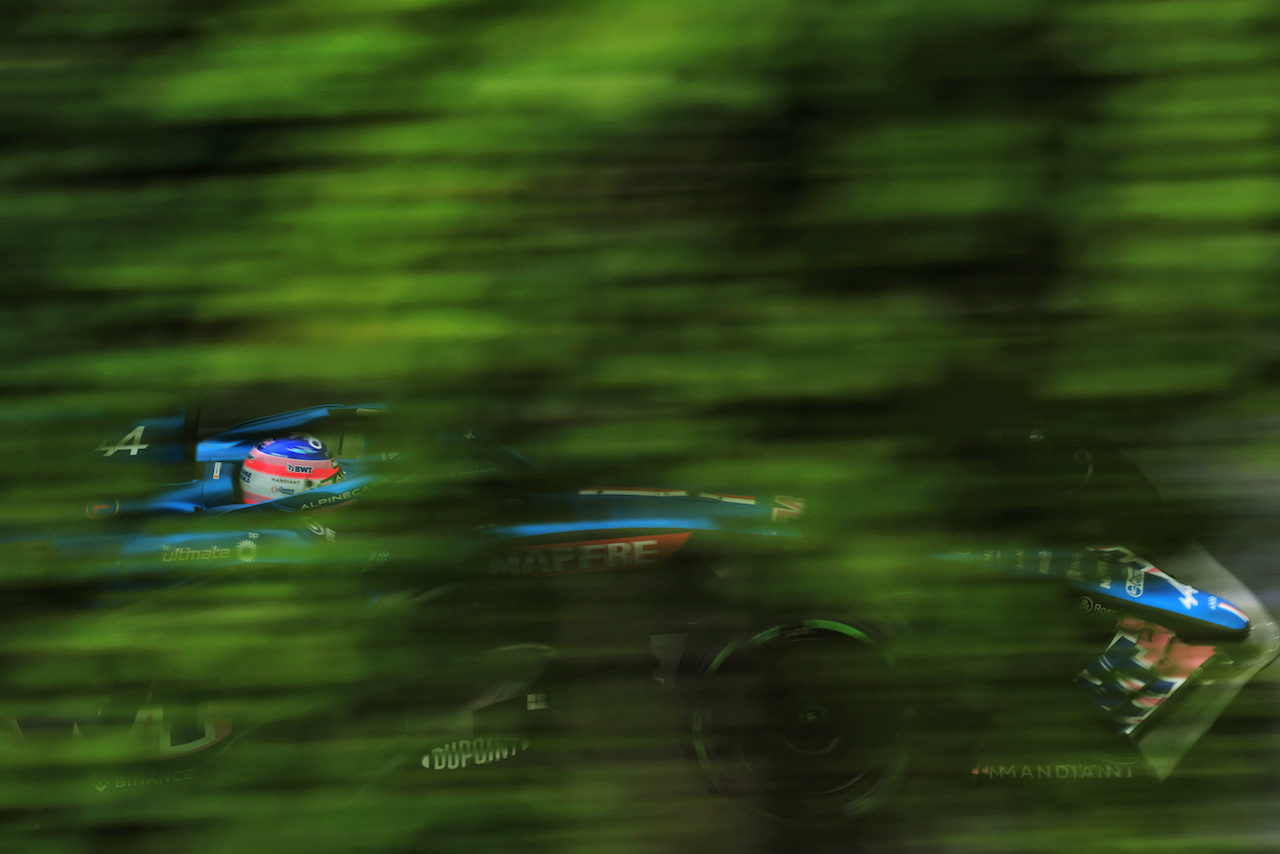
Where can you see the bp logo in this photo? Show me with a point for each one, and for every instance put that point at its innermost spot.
(246, 551)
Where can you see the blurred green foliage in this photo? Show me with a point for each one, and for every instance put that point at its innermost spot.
(757, 246)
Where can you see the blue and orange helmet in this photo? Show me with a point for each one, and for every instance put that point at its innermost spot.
(277, 468)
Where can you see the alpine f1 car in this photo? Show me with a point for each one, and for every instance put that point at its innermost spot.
(792, 708)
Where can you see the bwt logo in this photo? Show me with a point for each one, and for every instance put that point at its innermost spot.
(300, 469)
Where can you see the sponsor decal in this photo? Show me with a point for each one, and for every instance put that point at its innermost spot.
(787, 507)
(1100, 770)
(299, 469)
(1102, 572)
(319, 530)
(1133, 582)
(1136, 570)
(150, 722)
(1089, 606)
(335, 499)
(376, 560)
(472, 472)
(154, 779)
(588, 555)
(217, 470)
(371, 412)
(1045, 559)
(132, 442)
(478, 751)
(1073, 571)
(181, 553)
(101, 509)
(247, 550)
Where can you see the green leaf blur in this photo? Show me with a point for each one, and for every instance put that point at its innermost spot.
(765, 247)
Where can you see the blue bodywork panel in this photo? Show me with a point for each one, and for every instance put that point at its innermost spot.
(120, 547)
(1124, 582)
(590, 512)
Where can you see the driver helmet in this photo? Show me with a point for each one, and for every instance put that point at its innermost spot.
(277, 468)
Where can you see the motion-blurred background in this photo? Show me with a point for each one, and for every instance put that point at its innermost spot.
(782, 246)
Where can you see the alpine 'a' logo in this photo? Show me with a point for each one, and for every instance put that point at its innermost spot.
(477, 751)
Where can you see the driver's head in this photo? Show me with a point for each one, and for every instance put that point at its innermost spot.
(276, 468)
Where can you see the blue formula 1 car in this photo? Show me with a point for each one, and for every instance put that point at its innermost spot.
(796, 709)
(121, 554)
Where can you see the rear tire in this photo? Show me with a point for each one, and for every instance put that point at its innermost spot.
(798, 717)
